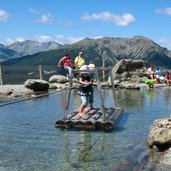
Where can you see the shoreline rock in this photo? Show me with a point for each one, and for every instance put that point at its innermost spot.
(13, 91)
(18, 90)
(159, 142)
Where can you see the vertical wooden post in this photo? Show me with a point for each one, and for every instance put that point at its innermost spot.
(103, 71)
(40, 72)
(68, 96)
(113, 87)
(101, 96)
(1, 81)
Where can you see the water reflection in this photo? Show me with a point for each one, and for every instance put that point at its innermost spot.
(84, 147)
(167, 95)
(76, 99)
(63, 100)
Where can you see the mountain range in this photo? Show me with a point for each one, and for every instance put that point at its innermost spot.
(107, 49)
(28, 47)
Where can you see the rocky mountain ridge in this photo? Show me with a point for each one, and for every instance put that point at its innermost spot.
(110, 50)
(28, 47)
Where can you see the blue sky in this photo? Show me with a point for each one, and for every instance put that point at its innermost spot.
(68, 21)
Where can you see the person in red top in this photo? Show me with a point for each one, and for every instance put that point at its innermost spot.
(66, 63)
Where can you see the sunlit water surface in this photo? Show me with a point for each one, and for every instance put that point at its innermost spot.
(30, 141)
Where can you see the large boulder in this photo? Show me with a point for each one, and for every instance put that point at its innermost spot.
(160, 134)
(11, 91)
(58, 79)
(129, 70)
(36, 84)
(129, 65)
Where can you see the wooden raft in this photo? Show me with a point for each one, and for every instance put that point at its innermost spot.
(92, 120)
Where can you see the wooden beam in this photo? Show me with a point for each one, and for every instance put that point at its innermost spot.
(1, 81)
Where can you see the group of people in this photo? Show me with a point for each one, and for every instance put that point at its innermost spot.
(85, 77)
(155, 76)
(66, 62)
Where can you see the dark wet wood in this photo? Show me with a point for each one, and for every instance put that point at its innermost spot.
(99, 123)
(71, 122)
(113, 119)
(63, 122)
(92, 119)
(87, 116)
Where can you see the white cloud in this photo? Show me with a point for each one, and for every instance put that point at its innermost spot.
(33, 11)
(45, 19)
(166, 11)
(20, 39)
(58, 38)
(3, 15)
(10, 41)
(49, 18)
(97, 37)
(158, 11)
(123, 20)
(43, 38)
(165, 43)
(63, 23)
(67, 40)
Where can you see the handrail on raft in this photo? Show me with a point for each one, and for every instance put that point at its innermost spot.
(96, 72)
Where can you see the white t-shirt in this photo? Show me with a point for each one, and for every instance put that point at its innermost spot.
(149, 71)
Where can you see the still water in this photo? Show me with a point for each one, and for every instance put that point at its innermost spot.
(29, 140)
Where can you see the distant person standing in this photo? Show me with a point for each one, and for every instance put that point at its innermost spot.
(151, 72)
(66, 63)
(158, 75)
(158, 72)
(79, 60)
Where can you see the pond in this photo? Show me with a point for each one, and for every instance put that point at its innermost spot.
(30, 142)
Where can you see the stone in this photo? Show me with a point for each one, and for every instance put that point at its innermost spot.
(128, 69)
(160, 134)
(36, 84)
(58, 79)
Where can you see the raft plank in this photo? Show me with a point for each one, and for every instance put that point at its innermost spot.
(72, 121)
(92, 120)
(99, 123)
(113, 119)
(82, 122)
(62, 122)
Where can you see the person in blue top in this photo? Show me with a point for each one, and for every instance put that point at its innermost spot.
(158, 72)
(158, 75)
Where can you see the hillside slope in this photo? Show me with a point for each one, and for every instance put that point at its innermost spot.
(109, 49)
